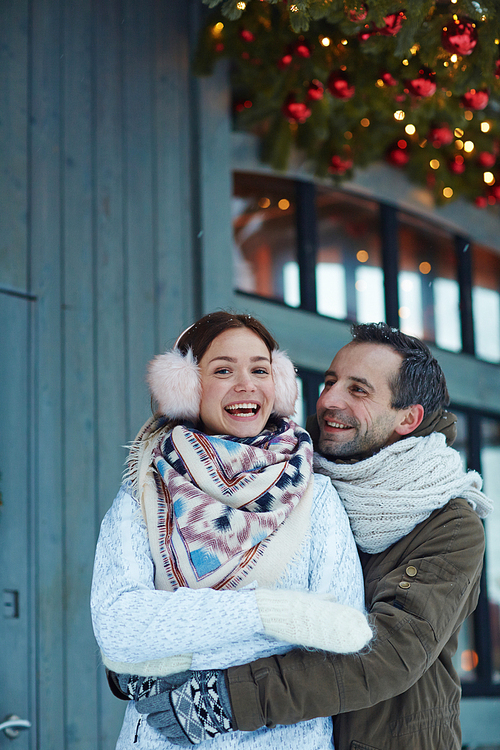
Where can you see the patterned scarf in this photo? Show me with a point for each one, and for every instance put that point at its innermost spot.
(213, 504)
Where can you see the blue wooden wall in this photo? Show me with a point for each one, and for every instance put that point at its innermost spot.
(114, 190)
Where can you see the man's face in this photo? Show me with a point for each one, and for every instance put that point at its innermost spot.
(354, 411)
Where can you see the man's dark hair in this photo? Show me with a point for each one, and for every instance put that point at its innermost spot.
(420, 379)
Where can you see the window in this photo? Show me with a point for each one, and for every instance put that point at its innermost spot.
(429, 297)
(486, 303)
(347, 257)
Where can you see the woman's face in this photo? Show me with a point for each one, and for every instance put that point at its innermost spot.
(237, 384)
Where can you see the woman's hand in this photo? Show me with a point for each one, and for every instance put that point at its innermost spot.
(312, 620)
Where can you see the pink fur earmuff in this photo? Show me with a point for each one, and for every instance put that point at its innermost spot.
(175, 384)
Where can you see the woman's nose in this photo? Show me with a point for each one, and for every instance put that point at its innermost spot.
(245, 383)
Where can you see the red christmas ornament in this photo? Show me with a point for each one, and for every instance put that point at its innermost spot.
(459, 37)
(338, 165)
(393, 24)
(475, 99)
(219, 47)
(486, 159)
(440, 136)
(285, 61)
(339, 86)
(316, 90)
(398, 156)
(457, 164)
(495, 192)
(363, 36)
(359, 14)
(481, 201)
(388, 79)
(295, 111)
(302, 50)
(247, 35)
(424, 85)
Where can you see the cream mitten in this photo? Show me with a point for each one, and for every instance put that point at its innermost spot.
(312, 620)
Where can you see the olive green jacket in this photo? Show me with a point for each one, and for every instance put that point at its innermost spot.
(402, 693)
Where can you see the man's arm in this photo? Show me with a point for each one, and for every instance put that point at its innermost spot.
(412, 625)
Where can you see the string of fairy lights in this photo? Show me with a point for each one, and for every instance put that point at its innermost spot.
(348, 83)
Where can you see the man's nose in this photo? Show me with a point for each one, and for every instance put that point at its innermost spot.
(332, 398)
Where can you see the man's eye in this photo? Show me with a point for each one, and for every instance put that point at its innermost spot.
(329, 383)
(357, 389)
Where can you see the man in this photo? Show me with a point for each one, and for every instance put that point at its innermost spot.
(380, 435)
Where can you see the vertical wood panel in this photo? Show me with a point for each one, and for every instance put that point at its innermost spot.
(215, 190)
(172, 126)
(109, 297)
(139, 241)
(79, 428)
(45, 236)
(13, 140)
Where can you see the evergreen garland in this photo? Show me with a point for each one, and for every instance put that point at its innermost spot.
(350, 82)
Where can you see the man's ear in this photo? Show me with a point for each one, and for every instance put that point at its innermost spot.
(411, 418)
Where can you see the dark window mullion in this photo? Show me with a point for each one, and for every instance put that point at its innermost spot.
(390, 264)
(481, 617)
(307, 242)
(464, 265)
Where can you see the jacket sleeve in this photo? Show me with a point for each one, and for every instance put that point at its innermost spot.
(427, 588)
(134, 622)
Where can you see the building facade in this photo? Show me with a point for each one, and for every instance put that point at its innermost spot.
(123, 199)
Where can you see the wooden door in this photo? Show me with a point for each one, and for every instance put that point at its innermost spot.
(17, 577)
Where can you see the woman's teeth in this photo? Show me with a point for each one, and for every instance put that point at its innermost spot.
(243, 410)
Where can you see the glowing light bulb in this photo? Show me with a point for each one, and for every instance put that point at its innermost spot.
(434, 164)
(264, 203)
(241, 5)
(458, 132)
(405, 62)
(454, 58)
(468, 146)
(424, 267)
(217, 29)
(410, 129)
(362, 256)
(325, 41)
(468, 115)
(489, 178)
(399, 115)
(447, 192)
(344, 42)
(365, 122)
(283, 204)
(485, 127)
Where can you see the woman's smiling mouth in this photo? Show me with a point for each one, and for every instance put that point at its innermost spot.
(243, 409)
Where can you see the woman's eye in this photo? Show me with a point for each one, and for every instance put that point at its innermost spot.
(261, 371)
(222, 371)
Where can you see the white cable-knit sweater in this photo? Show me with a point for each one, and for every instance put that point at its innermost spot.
(134, 622)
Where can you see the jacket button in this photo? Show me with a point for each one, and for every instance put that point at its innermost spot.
(411, 571)
(404, 585)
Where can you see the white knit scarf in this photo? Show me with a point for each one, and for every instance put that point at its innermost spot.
(388, 494)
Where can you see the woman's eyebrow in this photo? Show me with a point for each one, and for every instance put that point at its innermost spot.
(232, 359)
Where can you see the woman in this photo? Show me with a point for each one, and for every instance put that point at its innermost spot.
(220, 497)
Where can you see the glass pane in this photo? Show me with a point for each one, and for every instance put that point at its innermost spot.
(490, 467)
(429, 304)
(349, 277)
(465, 660)
(265, 247)
(486, 303)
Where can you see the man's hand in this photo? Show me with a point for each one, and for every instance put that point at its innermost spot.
(196, 711)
